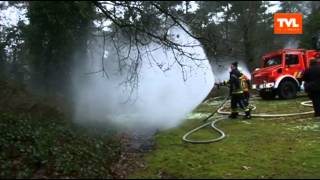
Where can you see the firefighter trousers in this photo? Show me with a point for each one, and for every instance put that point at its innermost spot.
(315, 98)
(246, 98)
(238, 99)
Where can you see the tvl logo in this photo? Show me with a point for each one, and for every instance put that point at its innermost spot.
(287, 23)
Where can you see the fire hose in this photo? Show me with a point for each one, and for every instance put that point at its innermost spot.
(220, 111)
(184, 138)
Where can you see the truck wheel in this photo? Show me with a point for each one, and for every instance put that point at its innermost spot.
(267, 95)
(287, 90)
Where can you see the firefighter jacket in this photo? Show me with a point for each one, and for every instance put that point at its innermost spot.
(311, 77)
(245, 83)
(234, 82)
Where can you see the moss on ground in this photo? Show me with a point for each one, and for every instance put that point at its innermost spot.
(256, 148)
(52, 148)
(38, 141)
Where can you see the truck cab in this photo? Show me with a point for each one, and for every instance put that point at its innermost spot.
(281, 72)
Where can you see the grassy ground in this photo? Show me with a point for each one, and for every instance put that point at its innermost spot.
(37, 141)
(49, 147)
(256, 148)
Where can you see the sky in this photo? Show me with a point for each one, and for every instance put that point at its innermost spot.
(274, 8)
(12, 15)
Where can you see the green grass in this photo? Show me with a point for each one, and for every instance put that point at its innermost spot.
(38, 139)
(49, 146)
(257, 148)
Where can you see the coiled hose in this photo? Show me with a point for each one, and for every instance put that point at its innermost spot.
(222, 134)
(219, 110)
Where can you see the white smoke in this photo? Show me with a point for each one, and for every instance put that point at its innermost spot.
(292, 43)
(163, 99)
(221, 68)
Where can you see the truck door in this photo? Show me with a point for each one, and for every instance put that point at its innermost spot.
(294, 64)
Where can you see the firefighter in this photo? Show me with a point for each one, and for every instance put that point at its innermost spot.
(236, 93)
(246, 86)
(311, 78)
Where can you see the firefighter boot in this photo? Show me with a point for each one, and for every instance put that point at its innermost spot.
(247, 114)
(233, 115)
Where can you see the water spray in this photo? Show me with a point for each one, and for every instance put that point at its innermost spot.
(166, 92)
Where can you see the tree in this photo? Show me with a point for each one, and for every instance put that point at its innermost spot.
(2, 45)
(234, 29)
(57, 32)
(2, 54)
(139, 24)
(15, 55)
(295, 7)
(2, 58)
(11, 45)
(311, 28)
(247, 16)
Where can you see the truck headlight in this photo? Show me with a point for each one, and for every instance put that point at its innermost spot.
(269, 85)
(254, 86)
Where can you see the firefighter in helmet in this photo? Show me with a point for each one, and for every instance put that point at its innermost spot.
(236, 93)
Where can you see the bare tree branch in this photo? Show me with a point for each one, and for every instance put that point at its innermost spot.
(139, 39)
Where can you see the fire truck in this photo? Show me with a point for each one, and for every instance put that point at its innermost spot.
(281, 72)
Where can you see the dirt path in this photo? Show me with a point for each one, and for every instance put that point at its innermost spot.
(134, 147)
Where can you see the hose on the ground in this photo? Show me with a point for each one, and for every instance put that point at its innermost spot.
(219, 110)
(222, 135)
(305, 103)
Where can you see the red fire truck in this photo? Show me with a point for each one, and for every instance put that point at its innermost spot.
(281, 72)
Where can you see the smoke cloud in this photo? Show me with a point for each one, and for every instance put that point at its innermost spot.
(165, 94)
(292, 43)
(221, 68)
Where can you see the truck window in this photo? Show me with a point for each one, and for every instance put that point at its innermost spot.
(272, 61)
(292, 59)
